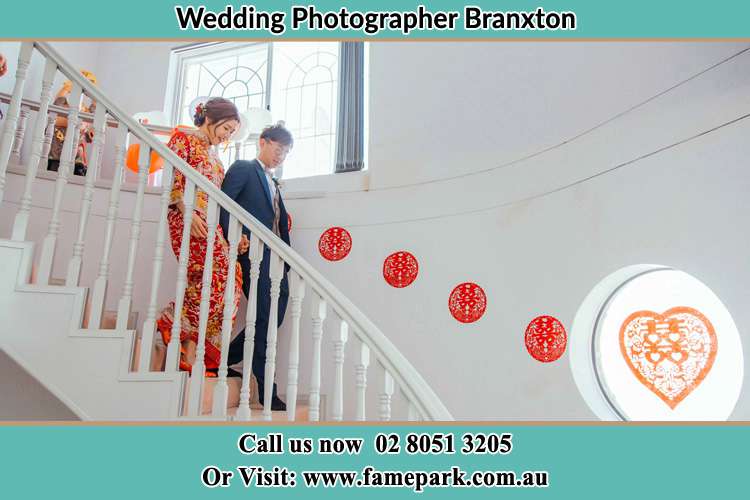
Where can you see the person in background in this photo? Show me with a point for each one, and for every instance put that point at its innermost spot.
(3, 70)
(61, 125)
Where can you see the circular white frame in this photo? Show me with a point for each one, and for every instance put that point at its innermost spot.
(583, 347)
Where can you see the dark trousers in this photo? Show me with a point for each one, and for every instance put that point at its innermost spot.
(263, 301)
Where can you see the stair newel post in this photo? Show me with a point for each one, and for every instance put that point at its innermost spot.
(318, 316)
(276, 273)
(10, 121)
(23, 117)
(386, 395)
(363, 362)
(149, 326)
(296, 295)
(256, 257)
(99, 292)
(199, 365)
(67, 161)
(221, 391)
(74, 266)
(38, 145)
(124, 306)
(339, 346)
(173, 349)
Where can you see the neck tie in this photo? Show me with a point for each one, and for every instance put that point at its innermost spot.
(276, 209)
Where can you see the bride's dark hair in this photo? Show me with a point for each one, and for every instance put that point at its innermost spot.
(217, 110)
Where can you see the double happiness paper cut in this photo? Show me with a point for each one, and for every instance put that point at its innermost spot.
(467, 302)
(669, 353)
(335, 243)
(400, 269)
(545, 339)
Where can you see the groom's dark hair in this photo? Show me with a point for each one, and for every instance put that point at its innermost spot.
(278, 133)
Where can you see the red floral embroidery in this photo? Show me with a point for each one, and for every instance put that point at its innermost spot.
(194, 150)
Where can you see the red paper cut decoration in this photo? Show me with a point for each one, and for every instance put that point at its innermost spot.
(467, 302)
(545, 339)
(669, 353)
(288, 222)
(400, 269)
(335, 243)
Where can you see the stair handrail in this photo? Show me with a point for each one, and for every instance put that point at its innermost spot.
(408, 378)
(84, 116)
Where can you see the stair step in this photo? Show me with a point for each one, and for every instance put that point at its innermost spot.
(302, 413)
(109, 321)
(109, 318)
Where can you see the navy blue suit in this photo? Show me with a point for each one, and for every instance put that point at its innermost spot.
(246, 183)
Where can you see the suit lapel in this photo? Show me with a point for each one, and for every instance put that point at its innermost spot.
(263, 182)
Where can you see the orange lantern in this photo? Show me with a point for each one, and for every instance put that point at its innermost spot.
(131, 159)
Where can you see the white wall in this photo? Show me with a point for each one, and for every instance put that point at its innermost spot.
(678, 208)
(439, 110)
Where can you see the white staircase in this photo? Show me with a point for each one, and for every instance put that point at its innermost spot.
(61, 333)
(87, 369)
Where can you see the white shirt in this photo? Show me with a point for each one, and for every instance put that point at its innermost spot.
(269, 178)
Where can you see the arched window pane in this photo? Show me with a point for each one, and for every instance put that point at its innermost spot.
(304, 80)
(303, 93)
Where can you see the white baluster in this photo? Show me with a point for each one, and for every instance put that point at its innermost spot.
(99, 292)
(296, 294)
(47, 145)
(221, 391)
(100, 157)
(14, 109)
(199, 366)
(361, 370)
(39, 142)
(386, 395)
(74, 267)
(67, 160)
(339, 345)
(173, 349)
(15, 153)
(318, 316)
(256, 256)
(147, 336)
(276, 273)
(123, 309)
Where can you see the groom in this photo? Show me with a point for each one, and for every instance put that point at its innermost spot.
(252, 185)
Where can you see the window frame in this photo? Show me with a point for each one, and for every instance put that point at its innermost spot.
(185, 54)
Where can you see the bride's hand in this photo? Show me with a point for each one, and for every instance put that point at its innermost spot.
(198, 227)
(244, 244)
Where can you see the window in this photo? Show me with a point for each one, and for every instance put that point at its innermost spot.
(296, 81)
